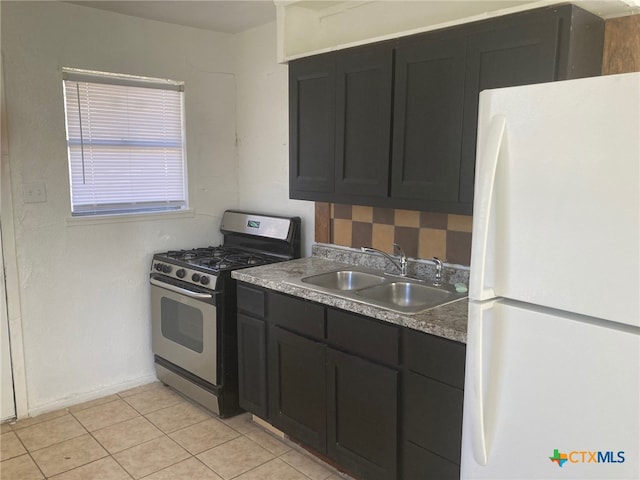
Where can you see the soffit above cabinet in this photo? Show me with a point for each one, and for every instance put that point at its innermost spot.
(308, 27)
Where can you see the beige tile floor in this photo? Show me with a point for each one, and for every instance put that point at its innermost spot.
(153, 433)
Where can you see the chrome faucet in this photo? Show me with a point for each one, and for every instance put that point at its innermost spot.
(438, 264)
(402, 266)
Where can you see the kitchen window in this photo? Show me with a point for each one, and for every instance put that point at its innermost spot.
(125, 142)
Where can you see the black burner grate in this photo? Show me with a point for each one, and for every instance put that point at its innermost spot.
(221, 258)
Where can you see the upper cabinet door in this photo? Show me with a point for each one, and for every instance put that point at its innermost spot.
(429, 92)
(311, 125)
(508, 55)
(363, 120)
(424, 89)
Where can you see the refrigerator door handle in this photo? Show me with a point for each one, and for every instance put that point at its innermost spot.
(486, 180)
(474, 383)
(486, 346)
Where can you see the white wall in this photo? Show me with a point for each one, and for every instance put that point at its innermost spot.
(84, 286)
(263, 130)
(313, 27)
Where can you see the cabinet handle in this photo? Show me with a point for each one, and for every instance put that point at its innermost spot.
(486, 168)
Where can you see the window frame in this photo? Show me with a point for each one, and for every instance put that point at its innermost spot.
(125, 207)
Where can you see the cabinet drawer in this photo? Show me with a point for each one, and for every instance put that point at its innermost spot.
(364, 336)
(420, 464)
(297, 315)
(435, 357)
(433, 416)
(251, 300)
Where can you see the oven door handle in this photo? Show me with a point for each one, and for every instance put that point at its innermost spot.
(183, 291)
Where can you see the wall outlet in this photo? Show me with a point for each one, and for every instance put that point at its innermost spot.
(34, 192)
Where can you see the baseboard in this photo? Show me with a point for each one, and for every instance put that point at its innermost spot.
(88, 396)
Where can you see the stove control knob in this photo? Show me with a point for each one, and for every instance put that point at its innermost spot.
(181, 273)
(166, 269)
(158, 267)
(204, 280)
(195, 277)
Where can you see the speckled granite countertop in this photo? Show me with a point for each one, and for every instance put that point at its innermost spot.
(448, 321)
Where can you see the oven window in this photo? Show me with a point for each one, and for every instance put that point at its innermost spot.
(182, 324)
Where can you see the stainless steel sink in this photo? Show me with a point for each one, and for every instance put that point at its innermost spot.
(407, 295)
(367, 286)
(345, 280)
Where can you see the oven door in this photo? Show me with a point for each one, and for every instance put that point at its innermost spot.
(184, 327)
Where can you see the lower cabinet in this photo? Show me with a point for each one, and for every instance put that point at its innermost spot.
(252, 350)
(421, 464)
(341, 384)
(433, 428)
(362, 406)
(297, 387)
(252, 365)
(432, 407)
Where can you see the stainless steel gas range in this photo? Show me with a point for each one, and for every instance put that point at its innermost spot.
(193, 305)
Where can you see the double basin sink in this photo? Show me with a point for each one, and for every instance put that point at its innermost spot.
(395, 293)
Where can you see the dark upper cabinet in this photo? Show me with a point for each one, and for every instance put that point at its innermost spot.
(340, 123)
(517, 55)
(311, 124)
(533, 47)
(434, 83)
(427, 136)
(363, 121)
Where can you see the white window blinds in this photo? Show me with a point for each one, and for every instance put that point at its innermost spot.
(125, 141)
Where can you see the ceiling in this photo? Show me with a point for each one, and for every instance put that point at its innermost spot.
(221, 16)
(233, 16)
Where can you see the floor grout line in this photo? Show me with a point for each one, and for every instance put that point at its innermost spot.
(242, 429)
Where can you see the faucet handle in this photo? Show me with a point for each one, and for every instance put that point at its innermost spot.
(438, 263)
(403, 259)
(399, 249)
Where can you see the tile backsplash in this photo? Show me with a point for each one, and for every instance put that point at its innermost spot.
(420, 234)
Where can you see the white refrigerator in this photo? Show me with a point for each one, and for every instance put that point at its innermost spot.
(552, 386)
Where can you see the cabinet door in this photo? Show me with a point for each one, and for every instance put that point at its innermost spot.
(311, 126)
(505, 56)
(297, 387)
(429, 92)
(433, 416)
(363, 121)
(362, 411)
(252, 365)
(421, 464)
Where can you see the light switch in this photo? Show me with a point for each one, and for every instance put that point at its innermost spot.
(34, 192)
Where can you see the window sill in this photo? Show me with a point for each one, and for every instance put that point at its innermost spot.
(129, 217)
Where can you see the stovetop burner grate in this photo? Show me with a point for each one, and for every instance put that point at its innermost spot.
(220, 258)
